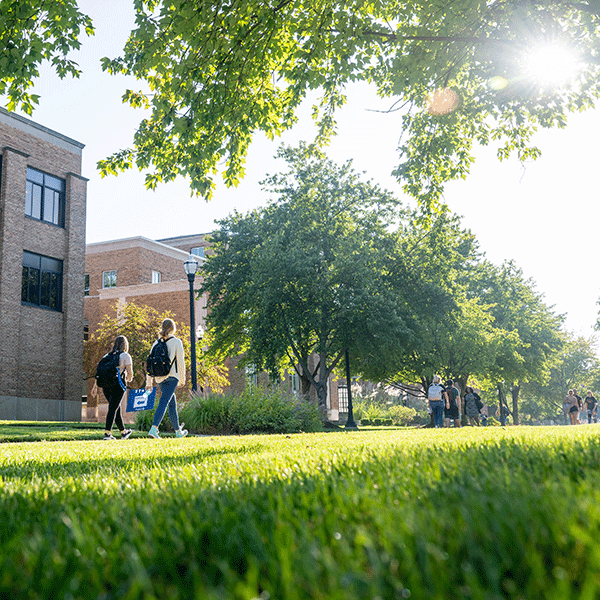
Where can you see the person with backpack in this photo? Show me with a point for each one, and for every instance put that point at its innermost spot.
(166, 365)
(114, 370)
(452, 412)
(437, 399)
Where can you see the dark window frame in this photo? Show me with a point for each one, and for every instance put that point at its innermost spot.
(42, 281)
(45, 197)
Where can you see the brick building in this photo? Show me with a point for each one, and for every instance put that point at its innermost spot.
(42, 258)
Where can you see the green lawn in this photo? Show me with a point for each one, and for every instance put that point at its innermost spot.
(43, 431)
(472, 513)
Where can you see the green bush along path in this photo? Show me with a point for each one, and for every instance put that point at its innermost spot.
(472, 513)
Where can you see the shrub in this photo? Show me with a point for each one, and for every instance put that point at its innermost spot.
(254, 411)
(365, 422)
(402, 415)
(368, 410)
(388, 422)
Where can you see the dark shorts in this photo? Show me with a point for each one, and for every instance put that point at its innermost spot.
(573, 409)
(451, 413)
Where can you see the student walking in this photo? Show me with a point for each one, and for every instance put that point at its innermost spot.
(472, 402)
(114, 390)
(168, 383)
(452, 412)
(591, 405)
(437, 398)
(571, 399)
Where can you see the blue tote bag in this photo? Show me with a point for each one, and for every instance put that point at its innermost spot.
(141, 399)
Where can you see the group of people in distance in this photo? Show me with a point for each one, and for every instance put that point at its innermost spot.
(573, 406)
(167, 385)
(445, 405)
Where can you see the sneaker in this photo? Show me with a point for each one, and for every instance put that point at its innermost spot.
(153, 433)
(181, 432)
(108, 436)
(125, 433)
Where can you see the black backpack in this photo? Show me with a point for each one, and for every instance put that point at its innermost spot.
(107, 371)
(158, 363)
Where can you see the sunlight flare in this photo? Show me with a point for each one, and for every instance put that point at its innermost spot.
(551, 65)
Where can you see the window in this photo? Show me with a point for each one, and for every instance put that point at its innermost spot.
(155, 277)
(343, 398)
(198, 252)
(109, 279)
(294, 382)
(45, 197)
(86, 330)
(41, 283)
(86, 288)
(251, 376)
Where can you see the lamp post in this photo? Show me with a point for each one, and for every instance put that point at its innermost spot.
(191, 266)
(350, 424)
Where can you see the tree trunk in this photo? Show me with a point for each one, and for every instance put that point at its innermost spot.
(304, 386)
(426, 383)
(515, 402)
(501, 405)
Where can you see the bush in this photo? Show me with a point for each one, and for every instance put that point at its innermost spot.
(365, 422)
(388, 422)
(368, 410)
(402, 415)
(254, 411)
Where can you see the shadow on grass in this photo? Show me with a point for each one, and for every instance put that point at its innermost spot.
(116, 465)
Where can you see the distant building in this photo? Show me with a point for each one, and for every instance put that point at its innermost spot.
(42, 258)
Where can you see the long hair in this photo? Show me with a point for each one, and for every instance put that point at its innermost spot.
(168, 326)
(120, 344)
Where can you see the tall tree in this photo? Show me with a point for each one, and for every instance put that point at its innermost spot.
(500, 331)
(313, 274)
(576, 366)
(517, 307)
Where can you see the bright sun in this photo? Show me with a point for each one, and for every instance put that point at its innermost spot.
(550, 65)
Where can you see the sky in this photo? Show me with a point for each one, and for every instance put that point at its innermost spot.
(544, 216)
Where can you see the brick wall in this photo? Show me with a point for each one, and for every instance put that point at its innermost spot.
(41, 353)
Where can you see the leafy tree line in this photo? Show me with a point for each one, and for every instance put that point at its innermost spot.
(334, 264)
(214, 74)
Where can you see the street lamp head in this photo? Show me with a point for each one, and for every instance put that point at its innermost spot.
(190, 265)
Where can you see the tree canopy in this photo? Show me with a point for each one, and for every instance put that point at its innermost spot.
(314, 273)
(214, 74)
(500, 331)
